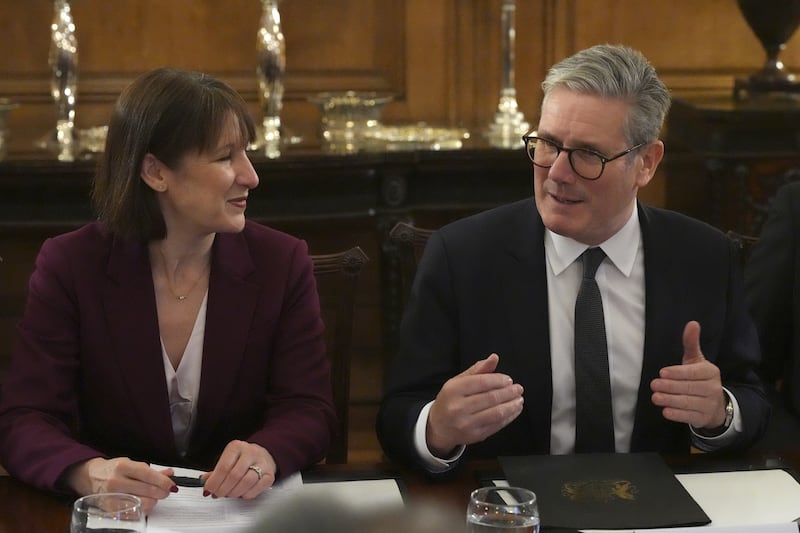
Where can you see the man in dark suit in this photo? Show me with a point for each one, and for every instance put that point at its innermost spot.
(772, 279)
(487, 355)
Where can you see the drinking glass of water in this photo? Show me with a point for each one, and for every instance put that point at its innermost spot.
(111, 512)
(502, 509)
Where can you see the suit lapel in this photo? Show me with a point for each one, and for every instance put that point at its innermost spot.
(525, 291)
(231, 304)
(132, 321)
(659, 337)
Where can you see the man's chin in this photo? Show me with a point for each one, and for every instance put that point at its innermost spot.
(560, 224)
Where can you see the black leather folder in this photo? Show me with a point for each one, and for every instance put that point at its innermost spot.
(604, 491)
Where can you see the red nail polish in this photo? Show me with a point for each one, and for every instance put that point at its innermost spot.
(173, 488)
(206, 493)
(214, 496)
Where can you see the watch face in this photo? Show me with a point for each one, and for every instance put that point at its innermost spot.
(728, 411)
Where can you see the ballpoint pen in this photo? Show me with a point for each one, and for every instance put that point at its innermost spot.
(184, 481)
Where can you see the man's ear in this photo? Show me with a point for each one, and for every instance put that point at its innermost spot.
(651, 155)
(152, 173)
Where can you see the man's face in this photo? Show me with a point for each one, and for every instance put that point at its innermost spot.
(589, 211)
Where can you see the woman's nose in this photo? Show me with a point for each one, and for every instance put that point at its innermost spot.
(247, 175)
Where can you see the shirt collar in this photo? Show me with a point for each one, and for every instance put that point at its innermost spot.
(620, 248)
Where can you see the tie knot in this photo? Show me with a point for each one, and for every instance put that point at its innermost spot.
(592, 258)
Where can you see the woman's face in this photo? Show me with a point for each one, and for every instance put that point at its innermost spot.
(207, 192)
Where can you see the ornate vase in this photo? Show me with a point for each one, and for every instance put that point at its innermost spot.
(773, 22)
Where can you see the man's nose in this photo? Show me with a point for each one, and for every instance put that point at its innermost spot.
(561, 169)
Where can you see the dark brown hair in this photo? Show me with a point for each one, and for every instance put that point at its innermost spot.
(168, 113)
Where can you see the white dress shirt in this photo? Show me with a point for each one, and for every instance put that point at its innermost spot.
(620, 278)
(623, 309)
(183, 383)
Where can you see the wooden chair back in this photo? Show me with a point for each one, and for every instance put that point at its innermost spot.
(336, 275)
(744, 242)
(410, 242)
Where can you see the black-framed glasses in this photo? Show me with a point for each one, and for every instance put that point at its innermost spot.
(586, 163)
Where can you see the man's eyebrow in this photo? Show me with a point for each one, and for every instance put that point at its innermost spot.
(544, 135)
(579, 144)
(590, 146)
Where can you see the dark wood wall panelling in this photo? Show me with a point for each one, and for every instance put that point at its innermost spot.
(440, 58)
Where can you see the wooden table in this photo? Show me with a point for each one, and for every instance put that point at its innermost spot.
(23, 508)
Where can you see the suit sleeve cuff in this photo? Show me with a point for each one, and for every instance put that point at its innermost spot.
(716, 442)
(432, 463)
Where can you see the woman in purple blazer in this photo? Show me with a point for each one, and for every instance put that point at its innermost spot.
(172, 330)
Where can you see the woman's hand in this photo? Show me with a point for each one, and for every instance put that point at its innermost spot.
(244, 470)
(121, 475)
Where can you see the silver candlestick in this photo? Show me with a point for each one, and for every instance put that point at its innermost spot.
(63, 62)
(509, 123)
(271, 49)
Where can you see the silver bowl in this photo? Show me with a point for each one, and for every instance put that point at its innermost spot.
(347, 116)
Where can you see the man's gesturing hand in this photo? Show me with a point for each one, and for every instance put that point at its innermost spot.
(472, 406)
(692, 391)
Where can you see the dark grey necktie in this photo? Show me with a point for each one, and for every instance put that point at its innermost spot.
(594, 425)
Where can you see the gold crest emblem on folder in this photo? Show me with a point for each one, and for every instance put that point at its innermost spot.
(599, 490)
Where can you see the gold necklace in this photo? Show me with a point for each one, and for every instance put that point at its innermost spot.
(180, 297)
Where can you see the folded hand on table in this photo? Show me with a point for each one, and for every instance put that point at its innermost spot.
(244, 470)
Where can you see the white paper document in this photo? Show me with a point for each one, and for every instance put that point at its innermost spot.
(788, 527)
(188, 511)
(745, 498)
(368, 494)
(750, 501)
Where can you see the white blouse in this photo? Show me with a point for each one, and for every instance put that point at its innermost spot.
(183, 383)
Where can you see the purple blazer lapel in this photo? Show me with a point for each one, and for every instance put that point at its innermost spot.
(232, 302)
(132, 320)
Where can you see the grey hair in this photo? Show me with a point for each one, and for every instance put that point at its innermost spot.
(616, 71)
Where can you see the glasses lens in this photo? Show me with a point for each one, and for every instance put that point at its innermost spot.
(586, 164)
(542, 152)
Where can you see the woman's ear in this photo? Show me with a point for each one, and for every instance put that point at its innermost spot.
(153, 173)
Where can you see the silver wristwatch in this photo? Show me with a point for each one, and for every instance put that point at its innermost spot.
(728, 411)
